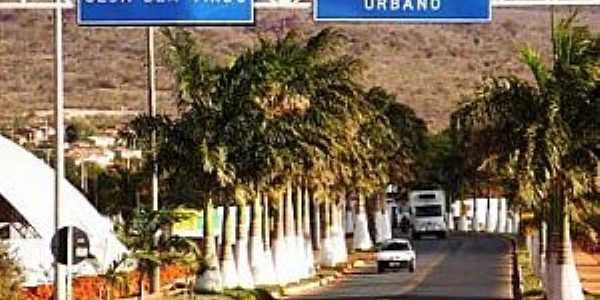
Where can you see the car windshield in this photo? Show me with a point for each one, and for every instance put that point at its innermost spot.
(395, 247)
(428, 211)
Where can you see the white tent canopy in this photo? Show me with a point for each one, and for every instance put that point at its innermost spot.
(27, 183)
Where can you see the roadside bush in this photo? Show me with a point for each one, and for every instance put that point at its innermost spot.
(11, 275)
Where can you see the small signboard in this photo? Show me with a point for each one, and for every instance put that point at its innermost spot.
(80, 247)
(191, 224)
(164, 12)
(412, 11)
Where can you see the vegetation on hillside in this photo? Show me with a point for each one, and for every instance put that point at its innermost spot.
(429, 67)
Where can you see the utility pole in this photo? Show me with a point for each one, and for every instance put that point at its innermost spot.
(152, 112)
(60, 282)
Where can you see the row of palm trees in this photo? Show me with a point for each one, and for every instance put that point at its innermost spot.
(543, 138)
(285, 130)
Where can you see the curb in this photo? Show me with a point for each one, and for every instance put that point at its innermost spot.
(317, 282)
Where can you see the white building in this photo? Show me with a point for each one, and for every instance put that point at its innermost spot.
(27, 216)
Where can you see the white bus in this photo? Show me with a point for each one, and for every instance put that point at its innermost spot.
(428, 213)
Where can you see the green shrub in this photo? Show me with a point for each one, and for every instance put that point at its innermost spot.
(11, 275)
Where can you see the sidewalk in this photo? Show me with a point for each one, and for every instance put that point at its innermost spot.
(588, 267)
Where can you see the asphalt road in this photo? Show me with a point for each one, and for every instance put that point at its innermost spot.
(463, 267)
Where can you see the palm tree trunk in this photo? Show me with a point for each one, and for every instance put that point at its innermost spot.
(241, 248)
(379, 222)
(290, 233)
(387, 222)
(279, 245)
(502, 215)
(327, 249)
(210, 278)
(308, 246)
(301, 254)
(563, 280)
(488, 214)
(361, 239)
(316, 224)
(349, 215)
(270, 274)
(340, 238)
(229, 274)
(257, 262)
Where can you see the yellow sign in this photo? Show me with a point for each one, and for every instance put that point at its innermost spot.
(190, 224)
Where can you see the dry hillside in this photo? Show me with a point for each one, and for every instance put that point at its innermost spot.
(429, 67)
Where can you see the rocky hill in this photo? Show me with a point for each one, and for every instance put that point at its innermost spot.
(430, 67)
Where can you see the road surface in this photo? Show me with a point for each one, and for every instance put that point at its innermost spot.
(463, 267)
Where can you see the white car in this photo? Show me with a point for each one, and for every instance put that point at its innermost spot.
(396, 253)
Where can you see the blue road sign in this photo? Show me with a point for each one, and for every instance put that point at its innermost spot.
(415, 11)
(165, 12)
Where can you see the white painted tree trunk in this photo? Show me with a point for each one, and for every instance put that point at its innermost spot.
(257, 255)
(488, 215)
(280, 253)
(245, 278)
(563, 281)
(387, 222)
(210, 279)
(308, 247)
(475, 219)
(341, 254)
(270, 274)
(516, 222)
(327, 258)
(379, 227)
(343, 249)
(361, 239)
(229, 274)
(502, 215)
(290, 235)
(451, 220)
(300, 243)
(349, 221)
(463, 224)
(509, 225)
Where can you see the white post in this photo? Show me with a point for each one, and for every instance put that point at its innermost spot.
(69, 262)
(60, 270)
(152, 112)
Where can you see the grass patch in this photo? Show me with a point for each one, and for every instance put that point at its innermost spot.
(235, 294)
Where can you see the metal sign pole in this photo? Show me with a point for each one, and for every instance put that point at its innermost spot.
(152, 112)
(59, 278)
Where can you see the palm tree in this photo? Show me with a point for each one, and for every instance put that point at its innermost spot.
(550, 130)
(139, 235)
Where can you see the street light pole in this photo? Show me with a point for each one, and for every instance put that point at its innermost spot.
(60, 270)
(152, 111)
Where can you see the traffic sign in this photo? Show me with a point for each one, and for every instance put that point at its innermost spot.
(80, 245)
(164, 12)
(415, 11)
